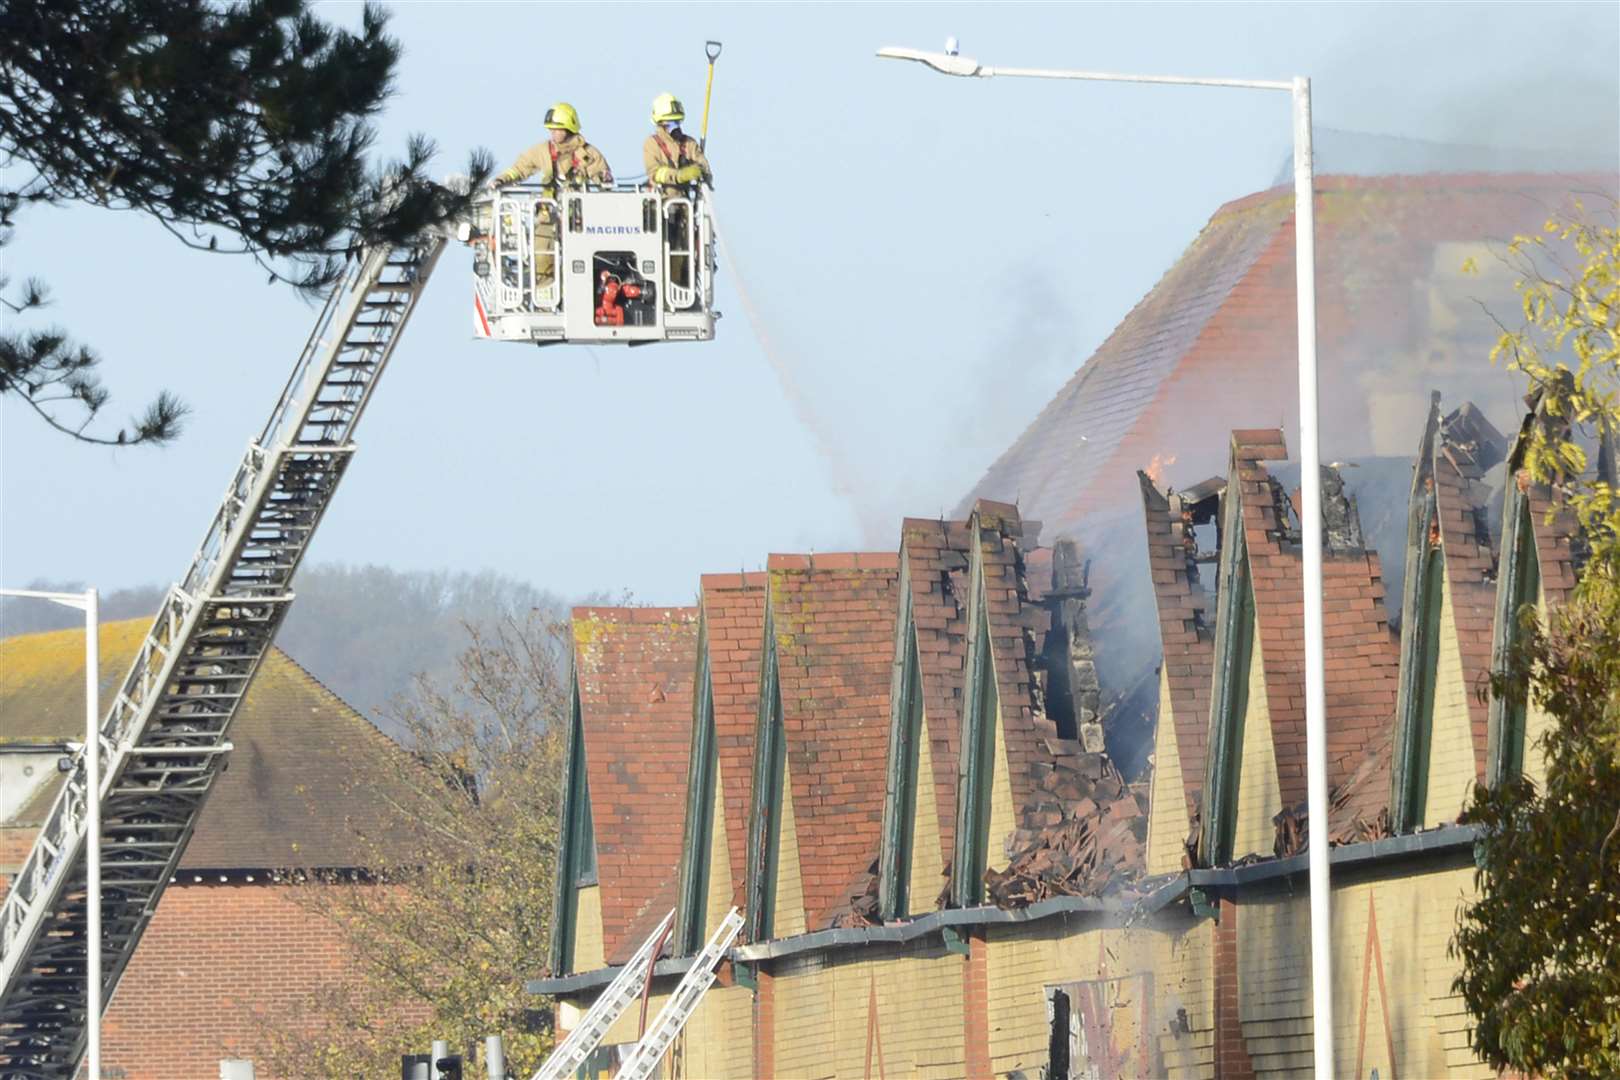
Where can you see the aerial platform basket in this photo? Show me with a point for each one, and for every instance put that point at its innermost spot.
(595, 267)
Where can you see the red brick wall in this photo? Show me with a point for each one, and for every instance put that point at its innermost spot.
(213, 956)
(765, 1024)
(1232, 1060)
(976, 1007)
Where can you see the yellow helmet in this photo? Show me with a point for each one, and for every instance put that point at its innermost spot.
(562, 115)
(667, 107)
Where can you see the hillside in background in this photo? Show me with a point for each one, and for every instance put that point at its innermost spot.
(364, 631)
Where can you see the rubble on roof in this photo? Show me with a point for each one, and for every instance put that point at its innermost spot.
(1358, 808)
(1086, 834)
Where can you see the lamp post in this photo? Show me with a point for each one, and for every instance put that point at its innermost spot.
(1299, 88)
(89, 603)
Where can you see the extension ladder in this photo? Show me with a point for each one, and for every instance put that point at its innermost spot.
(609, 1006)
(679, 1008)
(163, 741)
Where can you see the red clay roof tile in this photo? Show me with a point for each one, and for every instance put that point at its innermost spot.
(634, 668)
(833, 617)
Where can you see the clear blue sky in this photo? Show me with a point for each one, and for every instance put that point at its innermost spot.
(931, 259)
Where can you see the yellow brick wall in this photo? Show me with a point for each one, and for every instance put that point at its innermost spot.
(1451, 735)
(1022, 960)
(1425, 1034)
(927, 869)
(717, 1043)
(718, 900)
(1003, 817)
(1168, 824)
(588, 946)
(823, 1012)
(1536, 721)
(788, 915)
(1259, 795)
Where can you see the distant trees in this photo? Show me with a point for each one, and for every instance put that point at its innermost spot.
(364, 631)
(240, 127)
(1540, 945)
(459, 910)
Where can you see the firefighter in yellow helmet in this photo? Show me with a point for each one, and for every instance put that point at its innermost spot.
(674, 160)
(564, 162)
(675, 166)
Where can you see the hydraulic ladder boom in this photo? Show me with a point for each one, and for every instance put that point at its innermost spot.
(163, 740)
(573, 1051)
(643, 1060)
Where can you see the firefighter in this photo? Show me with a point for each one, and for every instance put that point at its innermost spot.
(675, 166)
(565, 162)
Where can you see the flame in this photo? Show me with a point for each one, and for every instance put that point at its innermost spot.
(1156, 467)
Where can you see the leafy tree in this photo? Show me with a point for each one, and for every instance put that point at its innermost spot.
(1540, 944)
(457, 912)
(241, 127)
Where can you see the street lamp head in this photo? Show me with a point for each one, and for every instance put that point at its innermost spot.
(946, 63)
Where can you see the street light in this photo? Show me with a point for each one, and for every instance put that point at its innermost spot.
(89, 603)
(950, 63)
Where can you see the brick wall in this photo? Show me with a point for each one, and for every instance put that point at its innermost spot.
(1232, 1060)
(1168, 820)
(1452, 757)
(213, 956)
(1174, 1030)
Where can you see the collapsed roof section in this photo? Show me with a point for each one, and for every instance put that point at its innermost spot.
(1254, 788)
(1179, 526)
(1449, 593)
(624, 800)
(1542, 551)
(1215, 339)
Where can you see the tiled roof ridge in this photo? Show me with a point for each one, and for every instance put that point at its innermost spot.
(1186, 614)
(632, 613)
(1420, 182)
(833, 560)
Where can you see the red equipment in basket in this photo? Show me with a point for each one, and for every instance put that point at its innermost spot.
(609, 312)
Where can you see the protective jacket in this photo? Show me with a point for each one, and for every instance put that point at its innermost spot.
(674, 160)
(566, 165)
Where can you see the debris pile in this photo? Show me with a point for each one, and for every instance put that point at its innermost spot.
(1346, 823)
(1086, 835)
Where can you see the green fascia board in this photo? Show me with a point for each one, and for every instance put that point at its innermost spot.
(899, 797)
(1414, 702)
(698, 826)
(974, 767)
(1229, 696)
(575, 795)
(1518, 582)
(765, 807)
